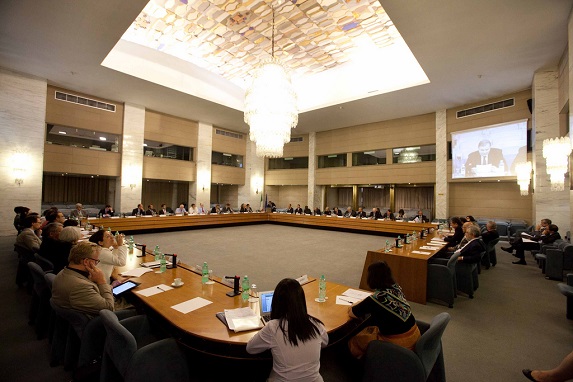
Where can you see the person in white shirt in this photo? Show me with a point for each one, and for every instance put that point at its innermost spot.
(112, 254)
(193, 209)
(292, 335)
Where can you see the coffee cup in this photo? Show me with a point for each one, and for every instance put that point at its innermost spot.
(177, 281)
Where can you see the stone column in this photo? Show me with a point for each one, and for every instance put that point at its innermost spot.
(570, 85)
(441, 189)
(23, 121)
(315, 193)
(253, 190)
(546, 203)
(200, 191)
(128, 192)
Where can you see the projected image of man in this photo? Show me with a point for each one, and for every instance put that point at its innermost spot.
(490, 158)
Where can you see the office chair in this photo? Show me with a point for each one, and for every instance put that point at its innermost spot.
(441, 284)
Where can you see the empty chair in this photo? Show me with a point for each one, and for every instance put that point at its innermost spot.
(467, 278)
(46, 264)
(490, 257)
(558, 259)
(23, 275)
(567, 291)
(69, 328)
(385, 361)
(131, 355)
(442, 281)
(40, 305)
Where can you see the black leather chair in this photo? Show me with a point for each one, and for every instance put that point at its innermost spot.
(385, 361)
(40, 305)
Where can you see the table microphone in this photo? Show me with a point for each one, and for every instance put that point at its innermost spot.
(235, 291)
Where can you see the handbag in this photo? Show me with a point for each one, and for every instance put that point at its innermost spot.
(358, 344)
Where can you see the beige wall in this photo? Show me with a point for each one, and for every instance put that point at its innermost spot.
(227, 174)
(84, 117)
(168, 169)
(230, 145)
(165, 128)
(73, 160)
(495, 200)
(563, 79)
(296, 149)
(422, 172)
(296, 177)
(283, 195)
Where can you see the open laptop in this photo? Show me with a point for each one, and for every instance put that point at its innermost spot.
(266, 300)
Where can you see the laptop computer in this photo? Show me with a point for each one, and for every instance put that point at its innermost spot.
(266, 300)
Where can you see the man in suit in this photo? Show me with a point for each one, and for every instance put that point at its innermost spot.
(138, 211)
(491, 232)
(420, 217)
(227, 209)
(290, 210)
(106, 212)
(375, 214)
(298, 210)
(485, 155)
(81, 285)
(548, 236)
(151, 210)
(78, 213)
(165, 210)
(360, 213)
(28, 238)
(307, 211)
(349, 213)
(471, 252)
(201, 209)
(388, 215)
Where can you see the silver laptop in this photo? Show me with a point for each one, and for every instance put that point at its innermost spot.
(266, 300)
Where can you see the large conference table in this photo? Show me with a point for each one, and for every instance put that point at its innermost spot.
(165, 223)
(201, 329)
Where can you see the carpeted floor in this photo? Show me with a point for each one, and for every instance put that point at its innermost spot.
(516, 320)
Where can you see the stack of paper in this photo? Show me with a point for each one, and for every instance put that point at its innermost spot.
(351, 296)
(242, 319)
(136, 272)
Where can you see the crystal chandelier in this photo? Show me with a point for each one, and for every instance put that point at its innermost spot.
(556, 153)
(271, 106)
(523, 171)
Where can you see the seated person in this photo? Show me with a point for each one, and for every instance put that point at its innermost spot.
(290, 210)
(375, 214)
(327, 211)
(106, 212)
(21, 213)
(227, 209)
(295, 347)
(360, 213)
(71, 223)
(216, 209)
(28, 238)
(165, 210)
(139, 211)
(388, 215)
(458, 235)
(151, 210)
(181, 210)
(248, 208)
(316, 211)
(82, 285)
(471, 252)
(68, 237)
(470, 218)
(336, 212)
(272, 206)
(491, 232)
(485, 155)
(420, 218)
(79, 212)
(201, 209)
(548, 236)
(52, 215)
(52, 248)
(388, 308)
(349, 213)
(462, 242)
(307, 211)
(401, 215)
(539, 228)
(243, 208)
(298, 210)
(112, 253)
(193, 209)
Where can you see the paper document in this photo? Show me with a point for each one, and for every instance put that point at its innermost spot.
(422, 252)
(242, 319)
(136, 272)
(154, 290)
(429, 247)
(154, 264)
(345, 300)
(355, 293)
(191, 305)
(525, 240)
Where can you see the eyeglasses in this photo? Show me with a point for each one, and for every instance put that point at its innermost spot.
(94, 260)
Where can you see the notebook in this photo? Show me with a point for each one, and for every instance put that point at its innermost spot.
(266, 299)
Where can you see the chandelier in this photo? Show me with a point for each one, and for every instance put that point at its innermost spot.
(523, 171)
(556, 153)
(271, 106)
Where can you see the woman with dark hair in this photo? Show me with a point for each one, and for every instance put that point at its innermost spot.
(21, 213)
(112, 253)
(470, 218)
(390, 311)
(401, 215)
(292, 335)
(458, 235)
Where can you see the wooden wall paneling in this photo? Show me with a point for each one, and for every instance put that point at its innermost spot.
(227, 175)
(296, 149)
(297, 177)
(230, 145)
(422, 172)
(168, 169)
(73, 160)
(170, 129)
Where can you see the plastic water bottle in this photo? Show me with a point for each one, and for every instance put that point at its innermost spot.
(162, 262)
(407, 238)
(246, 288)
(156, 253)
(387, 248)
(399, 242)
(204, 273)
(322, 289)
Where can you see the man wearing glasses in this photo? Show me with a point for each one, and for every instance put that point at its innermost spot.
(81, 285)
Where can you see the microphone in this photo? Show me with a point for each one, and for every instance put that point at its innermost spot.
(235, 291)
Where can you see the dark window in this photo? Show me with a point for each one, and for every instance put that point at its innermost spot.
(167, 150)
(414, 154)
(226, 159)
(367, 158)
(288, 163)
(333, 160)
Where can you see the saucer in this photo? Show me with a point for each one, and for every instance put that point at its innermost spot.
(177, 286)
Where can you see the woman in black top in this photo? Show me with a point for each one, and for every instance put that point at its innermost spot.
(458, 235)
(388, 307)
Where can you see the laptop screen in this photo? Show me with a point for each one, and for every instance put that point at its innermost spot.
(266, 299)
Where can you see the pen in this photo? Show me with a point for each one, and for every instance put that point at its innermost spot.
(346, 300)
(158, 287)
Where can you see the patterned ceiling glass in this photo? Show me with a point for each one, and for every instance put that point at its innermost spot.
(230, 37)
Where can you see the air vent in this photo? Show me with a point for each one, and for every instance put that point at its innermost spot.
(296, 139)
(229, 134)
(85, 101)
(486, 108)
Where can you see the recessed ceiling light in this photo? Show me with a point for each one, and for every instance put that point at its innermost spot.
(102, 138)
(62, 132)
(145, 145)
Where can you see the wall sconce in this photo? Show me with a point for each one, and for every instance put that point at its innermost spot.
(556, 153)
(132, 186)
(19, 176)
(523, 171)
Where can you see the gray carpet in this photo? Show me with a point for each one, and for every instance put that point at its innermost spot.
(516, 320)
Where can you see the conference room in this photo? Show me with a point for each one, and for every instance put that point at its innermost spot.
(81, 129)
